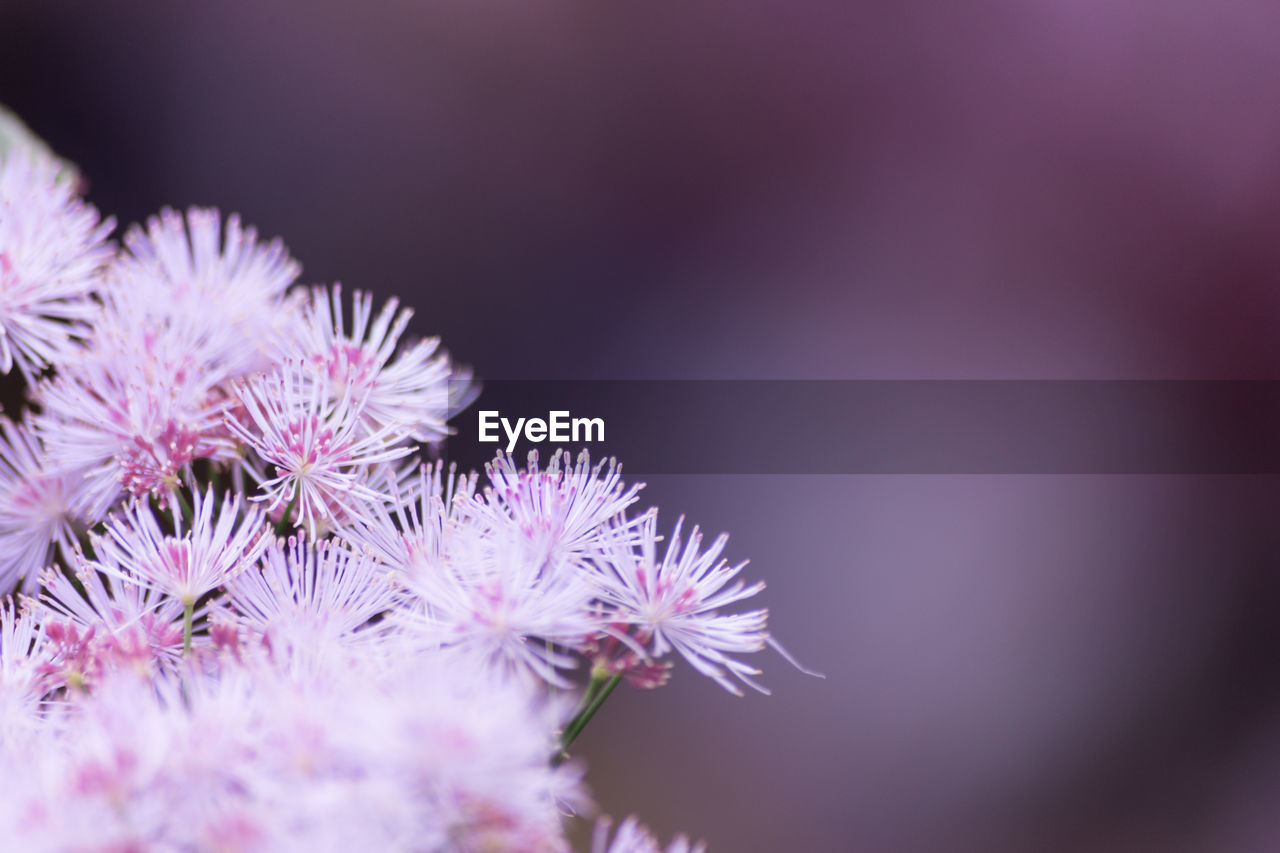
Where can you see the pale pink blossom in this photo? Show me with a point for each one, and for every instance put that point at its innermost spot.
(212, 549)
(305, 598)
(409, 531)
(134, 624)
(412, 756)
(675, 600)
(21, 687)
(321, 462)
(563, 512)
(404, 388)
(182, 314)
(133, 411)
(37, 506)
(500, 605)
(221, 291)
(53, 247)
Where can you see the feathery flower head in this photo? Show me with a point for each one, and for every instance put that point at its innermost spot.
(410, 532)
(497, 603)
(306, 597)
(135, 624)
(563, 512)
(408, 392)
(53, 247)
(419, 756)
(21, 638)
(187, 564)
(179, 318)
(676, 600)
(220, 291)
(133, 410)
(321, 461)
(36, 506)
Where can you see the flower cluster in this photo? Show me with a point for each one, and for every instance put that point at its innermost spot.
(246, 616)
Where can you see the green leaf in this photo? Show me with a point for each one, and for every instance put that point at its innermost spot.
(15, 136)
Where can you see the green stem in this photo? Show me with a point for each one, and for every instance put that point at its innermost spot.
(188, 616)
(597, 692)
(283, 525)
(593, 687)
(184, 506)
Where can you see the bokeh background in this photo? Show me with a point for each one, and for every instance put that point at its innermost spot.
(815, 189)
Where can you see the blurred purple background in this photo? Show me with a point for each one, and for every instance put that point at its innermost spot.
(807, 190)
